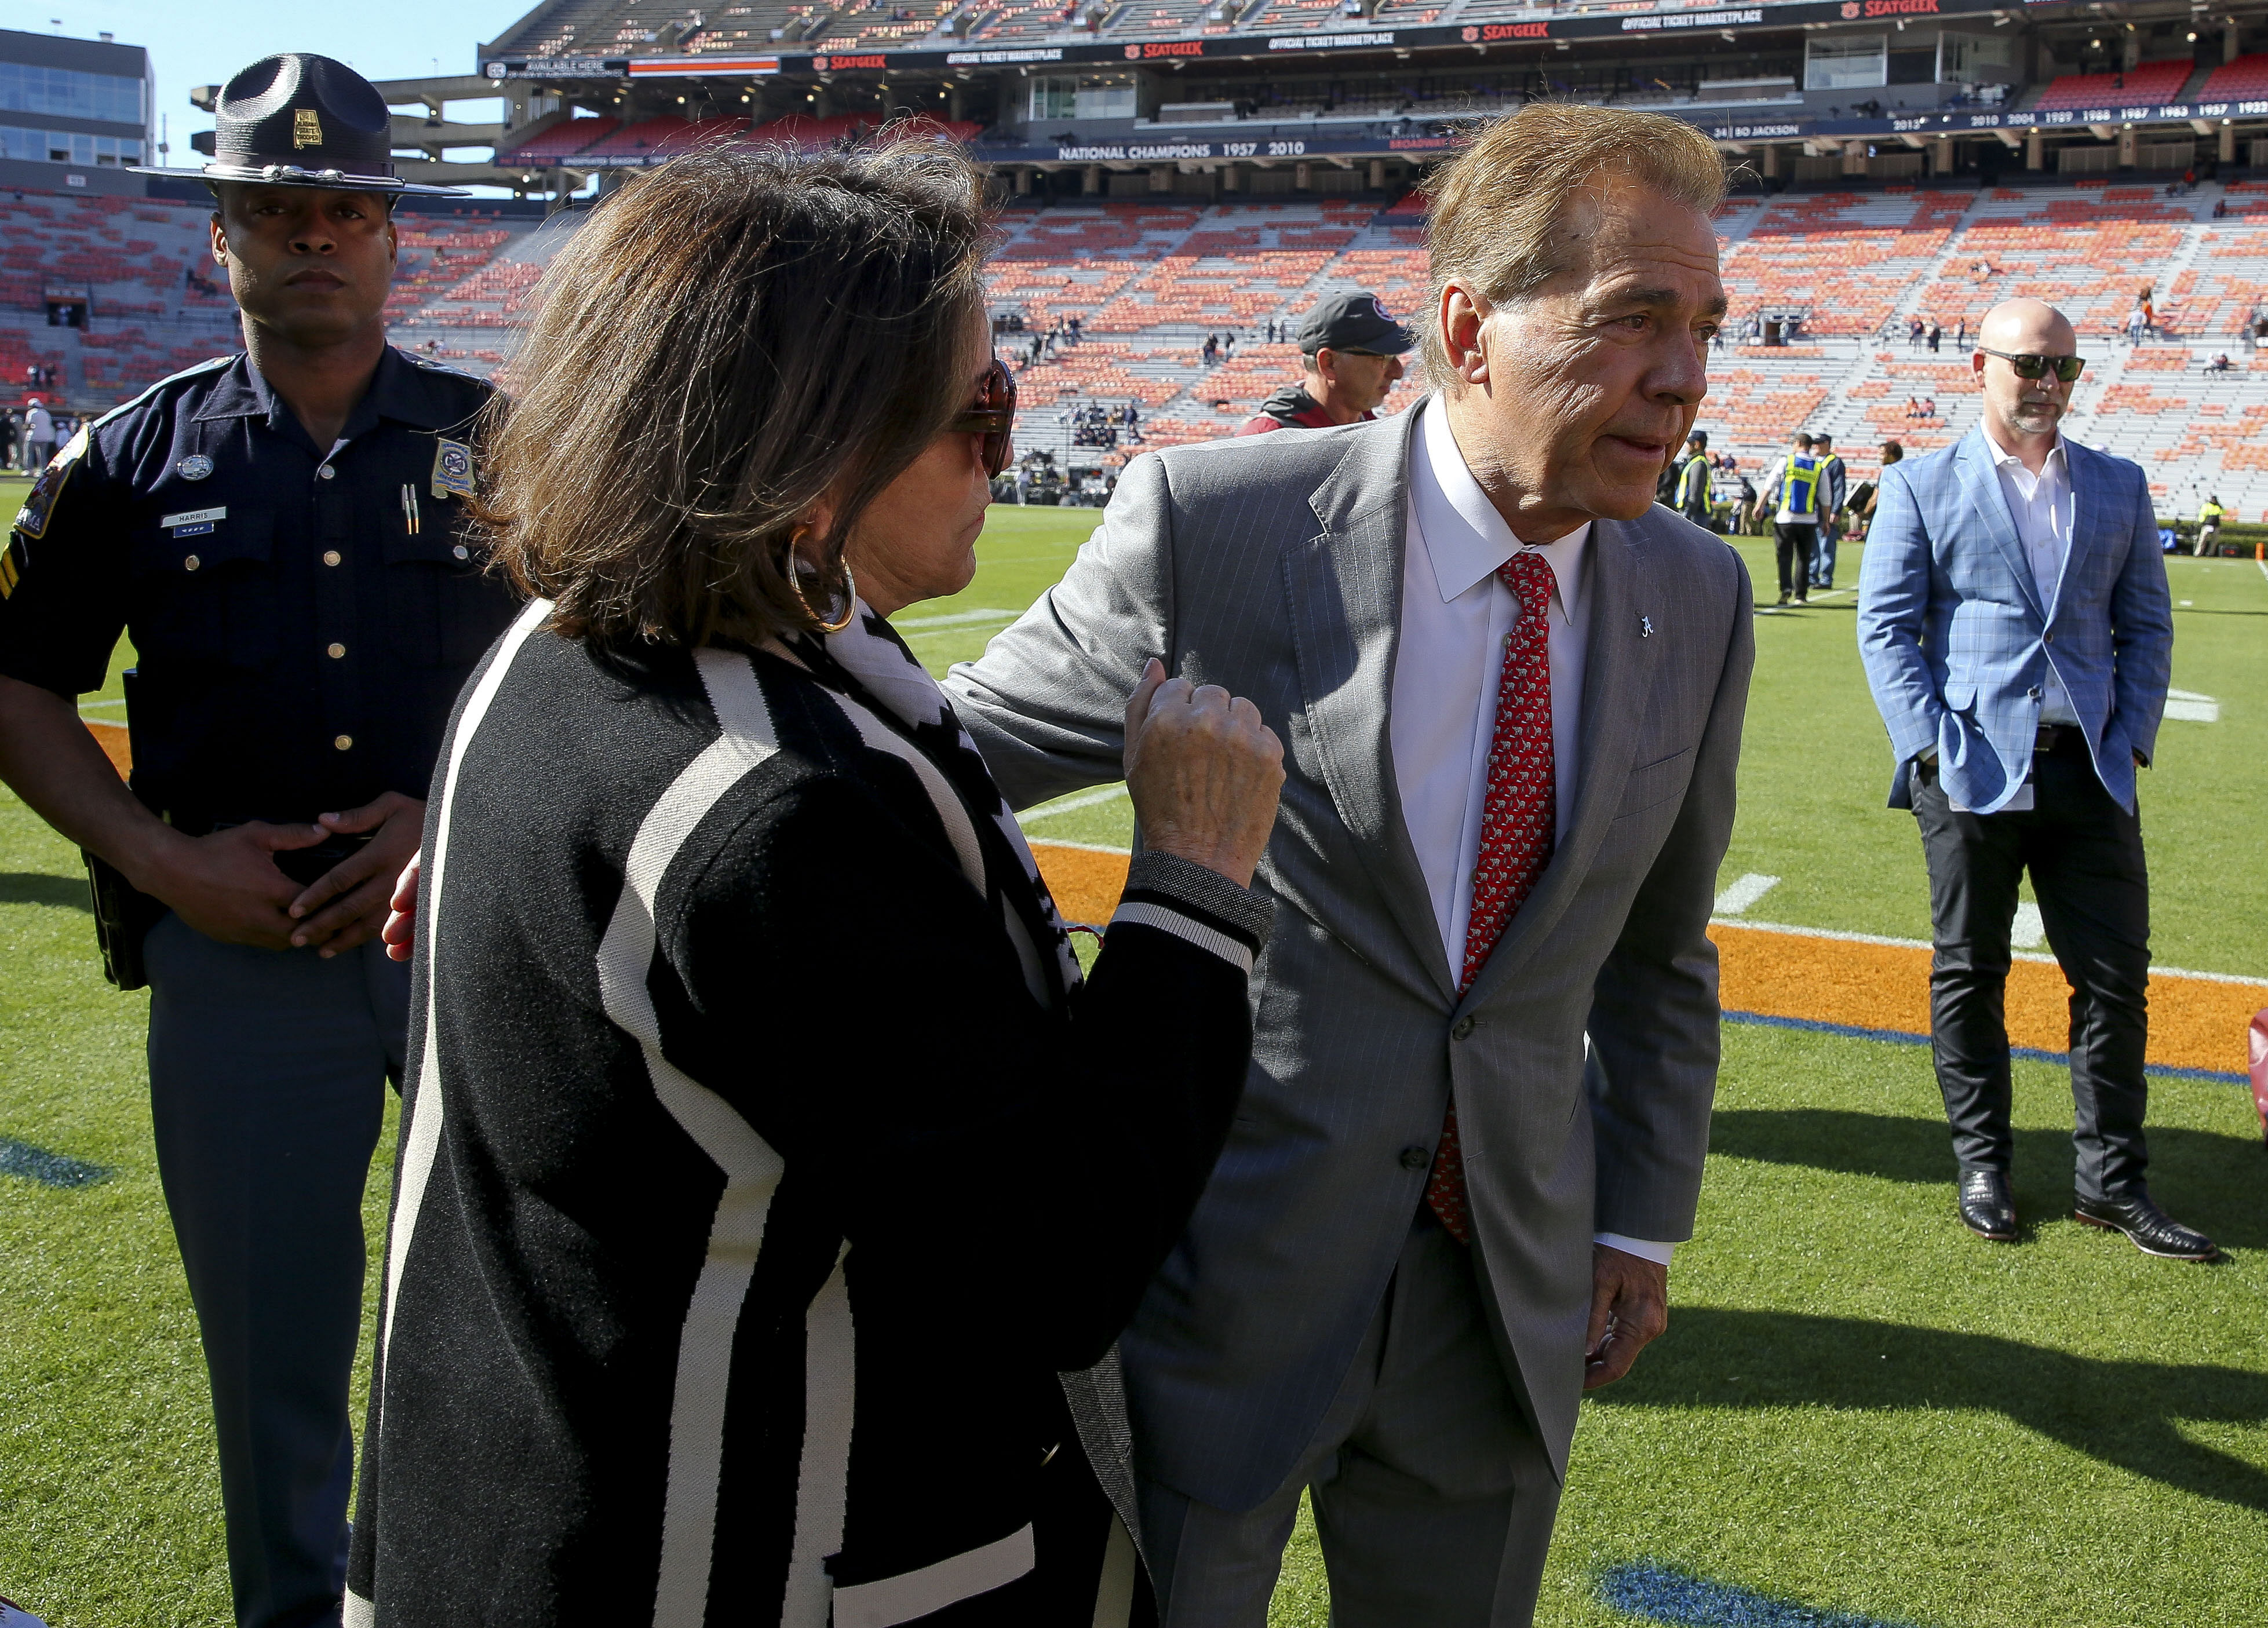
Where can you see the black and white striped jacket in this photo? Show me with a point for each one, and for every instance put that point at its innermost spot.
(765, 1159)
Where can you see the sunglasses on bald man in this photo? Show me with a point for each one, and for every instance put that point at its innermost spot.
(2067, 368)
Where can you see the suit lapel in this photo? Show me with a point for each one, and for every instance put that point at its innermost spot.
(2086, 517)
(1618, 663)
(1344, 586)
(1982, 481)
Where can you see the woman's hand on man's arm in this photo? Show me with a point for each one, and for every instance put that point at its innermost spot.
(1204, 772)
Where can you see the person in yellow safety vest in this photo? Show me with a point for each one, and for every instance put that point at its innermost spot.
(1792, 485)
(1693, 481)
(2209, 520)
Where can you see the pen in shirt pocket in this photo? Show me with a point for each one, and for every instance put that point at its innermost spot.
(410, 513)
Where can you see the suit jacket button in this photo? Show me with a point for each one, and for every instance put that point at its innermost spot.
(1464, 1026)
(1415, 1158)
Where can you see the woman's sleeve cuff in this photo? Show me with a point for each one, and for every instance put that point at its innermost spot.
(1198, 906)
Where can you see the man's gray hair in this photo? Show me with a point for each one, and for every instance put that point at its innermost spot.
(1496, 207)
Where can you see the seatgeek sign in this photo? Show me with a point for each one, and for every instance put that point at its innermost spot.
(1214, 47)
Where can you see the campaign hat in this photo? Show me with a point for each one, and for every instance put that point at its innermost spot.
(1355, 319)
(298, 119)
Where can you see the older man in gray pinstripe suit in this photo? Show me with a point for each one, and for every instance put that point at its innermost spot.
(1511, 691)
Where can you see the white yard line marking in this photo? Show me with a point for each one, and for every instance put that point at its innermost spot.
(1738, 899)
(2028, 931)
(2192, 708)
(1071, 805)
(957, 619)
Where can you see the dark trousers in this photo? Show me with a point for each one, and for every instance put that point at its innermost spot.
(2085, 856)
(1433, 1496)
(1792, 547)
(266, 1087)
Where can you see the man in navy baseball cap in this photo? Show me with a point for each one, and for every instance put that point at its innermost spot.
(1351, 351)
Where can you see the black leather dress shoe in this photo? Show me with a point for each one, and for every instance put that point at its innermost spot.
(2150, 1229)
(1986, 1209)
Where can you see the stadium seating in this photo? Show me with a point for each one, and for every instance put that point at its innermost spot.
(562, 140)
(2145, 87)
(804, 130)
(2244, 78)
(1149, 278)
(652, 140)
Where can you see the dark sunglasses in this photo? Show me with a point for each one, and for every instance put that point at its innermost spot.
(2067, 368)
(992, 414)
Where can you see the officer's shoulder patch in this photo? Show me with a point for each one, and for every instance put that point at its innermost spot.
(198, 372)
(40, 507)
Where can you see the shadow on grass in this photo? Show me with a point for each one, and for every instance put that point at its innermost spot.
(2121, 1413)
(2207, 1180)
(37, 887)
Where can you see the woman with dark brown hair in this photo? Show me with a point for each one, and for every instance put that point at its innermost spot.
(772, 1186)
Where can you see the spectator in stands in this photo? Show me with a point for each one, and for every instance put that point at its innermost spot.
(1209, 352)
(1961, 335)
(280, 762)
(2220, 209)
(2219, 364)
(2022, 690)
(1350, 352)
(1928, 408)
(1834, 491)
(1915, 329)
(39, 434)
(1936, 333)
(2137, 321)
(1436, 1225)
(1792, 489)
(701, 1232)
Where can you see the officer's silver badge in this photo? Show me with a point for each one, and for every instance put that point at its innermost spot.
(453, 470)
(195, 467)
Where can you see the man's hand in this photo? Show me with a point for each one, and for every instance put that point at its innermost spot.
(347, 904)
(1630, 1307)
(226, 885)
(401, 930)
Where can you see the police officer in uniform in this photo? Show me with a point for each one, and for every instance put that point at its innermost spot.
(283, 535)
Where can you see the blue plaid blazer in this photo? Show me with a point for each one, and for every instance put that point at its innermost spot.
(1957, 638)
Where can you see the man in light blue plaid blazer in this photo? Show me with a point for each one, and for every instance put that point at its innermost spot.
(2017, 633)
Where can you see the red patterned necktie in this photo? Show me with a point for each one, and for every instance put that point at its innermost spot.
(1519, 824)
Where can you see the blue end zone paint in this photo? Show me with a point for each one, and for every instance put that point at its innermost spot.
(2029, 1054)
(1657, 1594)
(36, 1164)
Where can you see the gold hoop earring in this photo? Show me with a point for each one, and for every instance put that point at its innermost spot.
(849, 585)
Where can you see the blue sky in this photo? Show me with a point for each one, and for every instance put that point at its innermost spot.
(197, 42)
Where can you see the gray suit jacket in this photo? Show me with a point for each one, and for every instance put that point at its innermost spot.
(1272, 566)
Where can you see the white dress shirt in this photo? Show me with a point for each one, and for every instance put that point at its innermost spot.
(1455, 617)
(2040, 507)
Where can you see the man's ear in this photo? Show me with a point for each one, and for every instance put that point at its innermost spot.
(219, 239)
(1463, 316)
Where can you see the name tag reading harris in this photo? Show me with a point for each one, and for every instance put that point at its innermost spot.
(193, 522)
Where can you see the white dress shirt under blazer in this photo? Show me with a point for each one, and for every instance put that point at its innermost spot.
(1447, 669)
(2039, 506)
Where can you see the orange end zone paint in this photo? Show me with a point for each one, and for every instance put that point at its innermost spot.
(2195, 1023)
(112, 739)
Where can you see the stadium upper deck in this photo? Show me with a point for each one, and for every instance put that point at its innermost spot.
(1114, 98)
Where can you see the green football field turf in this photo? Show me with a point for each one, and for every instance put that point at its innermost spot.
(1857, 1407)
